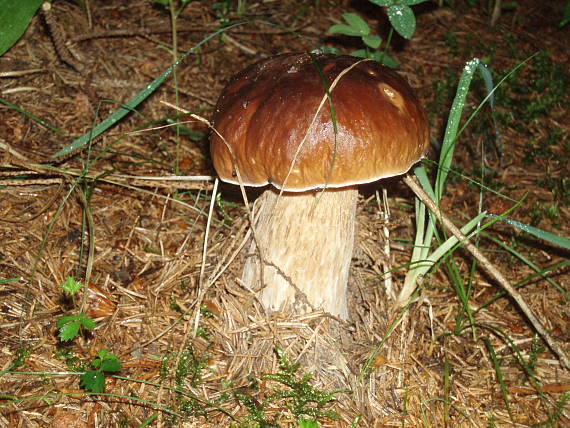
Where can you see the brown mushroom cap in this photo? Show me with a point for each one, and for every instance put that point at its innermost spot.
(267, 112)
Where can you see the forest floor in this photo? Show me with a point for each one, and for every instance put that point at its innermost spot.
(195, 346)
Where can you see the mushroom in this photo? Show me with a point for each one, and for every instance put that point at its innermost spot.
(274, 125)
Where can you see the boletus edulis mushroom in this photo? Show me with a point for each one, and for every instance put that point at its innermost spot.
(312, 127)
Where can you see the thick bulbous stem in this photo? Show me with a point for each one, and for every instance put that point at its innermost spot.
(306, 242)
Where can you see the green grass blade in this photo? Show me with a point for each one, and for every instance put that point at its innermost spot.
(522, 282)
(499, 373)
(133, 102)
(537, 269)
(453, 121)
(29, 115)
(558, 240)
(8, 280)
(447, 246)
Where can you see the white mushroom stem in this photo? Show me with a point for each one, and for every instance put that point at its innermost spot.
(306, 242)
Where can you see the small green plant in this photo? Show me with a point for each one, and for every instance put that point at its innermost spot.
(94, 380)
(70, 325)
(300, 397)
(18, 361)
(71, 286)
(190, 366)
(402, 20)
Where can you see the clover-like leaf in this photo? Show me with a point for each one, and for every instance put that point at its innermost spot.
(403, 20)
(372, 41)
(356, 26)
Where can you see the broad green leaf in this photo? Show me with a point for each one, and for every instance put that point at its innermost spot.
(326, 50)
(92, 380)
(357, 22)
(68, 326)
(361, 53)
(346, 30)
(64, 320)
(69, 331)
(403, 20)
(384, 3)
(87, 322)
(384, 59)
(387, 3)
(380, 57)
(308, 423)
(106, 361)
(14, 19)
(111, 365)
(372, 41)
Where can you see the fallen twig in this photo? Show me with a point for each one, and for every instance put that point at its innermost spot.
(489, 268)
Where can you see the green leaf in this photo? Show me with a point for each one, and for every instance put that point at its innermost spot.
(450, 135)
(384, 59)
(361, 53)
(14, 19)
(308, 423)
(381, 57)
(30, 116)
(384, 3)
(372, 41)
(69, 326)
(326, 50)
(409, 2)
(344, 29)
(64, 320)
(92, 380)
(71, 286)
(356, 26)
(8, 280)
(111, 365)
(87, 322)
(387, 3)
(403, 20)
(69, 331)
(106, 361)
(355, 21)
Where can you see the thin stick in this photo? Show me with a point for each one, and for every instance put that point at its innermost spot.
(201, 286)
(489, 268)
